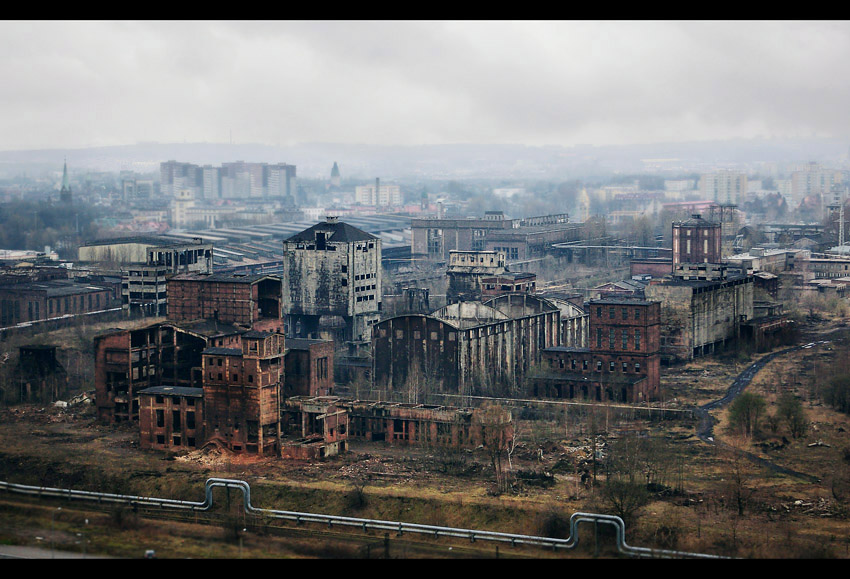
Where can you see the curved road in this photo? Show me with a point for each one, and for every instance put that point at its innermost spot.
(706, 421)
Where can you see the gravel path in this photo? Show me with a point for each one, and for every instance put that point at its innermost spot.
(705, 430)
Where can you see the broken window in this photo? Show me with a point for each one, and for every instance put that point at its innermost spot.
(160, 418)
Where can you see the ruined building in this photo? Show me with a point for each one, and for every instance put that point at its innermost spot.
(171, 417)
(332, 274)
(309, 367)
(251, 301)
(320, 427)
(622, 362)
(696, 243)
(163, 354)
(38, 377)
(705, 302)
(464, 348)
(465, 270)
(407, 424)
(242, 393)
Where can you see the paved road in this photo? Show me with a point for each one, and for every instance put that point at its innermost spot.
(705, 430)
(19, 552)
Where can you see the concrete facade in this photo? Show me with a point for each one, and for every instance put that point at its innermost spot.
(463, 348)
(699, 317)
(331, 269)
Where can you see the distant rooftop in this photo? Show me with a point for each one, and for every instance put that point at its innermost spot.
(339, 232)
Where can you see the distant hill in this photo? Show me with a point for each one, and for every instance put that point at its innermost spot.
(315, 160)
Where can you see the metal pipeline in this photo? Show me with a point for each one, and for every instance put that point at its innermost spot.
(399, 527)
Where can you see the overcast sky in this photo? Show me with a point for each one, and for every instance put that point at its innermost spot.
(76, 84)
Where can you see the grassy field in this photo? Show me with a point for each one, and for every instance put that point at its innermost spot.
(704, 499)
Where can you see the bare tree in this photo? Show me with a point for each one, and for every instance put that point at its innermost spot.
(497, 433)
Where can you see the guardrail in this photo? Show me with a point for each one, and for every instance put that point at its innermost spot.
(366, 524)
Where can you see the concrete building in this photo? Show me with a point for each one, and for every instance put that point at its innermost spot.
(178, 257)
(377, 194)
(465, 270)
(725, 187)
(463, 348)
(281, 181)
(212, 182)
(508, 282)
(175, 176)
(144, 287)
(332, 270)
(813, 180)
(700, 316)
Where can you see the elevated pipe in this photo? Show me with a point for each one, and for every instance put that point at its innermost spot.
(399, 527)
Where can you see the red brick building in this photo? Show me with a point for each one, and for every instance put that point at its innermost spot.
(408, 424)
(32, 301)
(309, 367)
(171, 418)
(622, 362)
(234, 298)
(128, 361)
(242, 393)
(696, 241)
(508, 282)
(319, 425)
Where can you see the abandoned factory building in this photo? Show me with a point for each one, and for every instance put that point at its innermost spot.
(463, 347)
(622, 362)
(252, 301)
(242, 393)
(332, 274)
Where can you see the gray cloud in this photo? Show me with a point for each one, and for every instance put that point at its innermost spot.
(71, 84)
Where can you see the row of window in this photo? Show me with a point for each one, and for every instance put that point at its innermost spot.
(624, 338)
(585, 365)
(613, 311)
(235, 377)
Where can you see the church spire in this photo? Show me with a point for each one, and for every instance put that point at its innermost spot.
(65, 192)
(66, 185)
